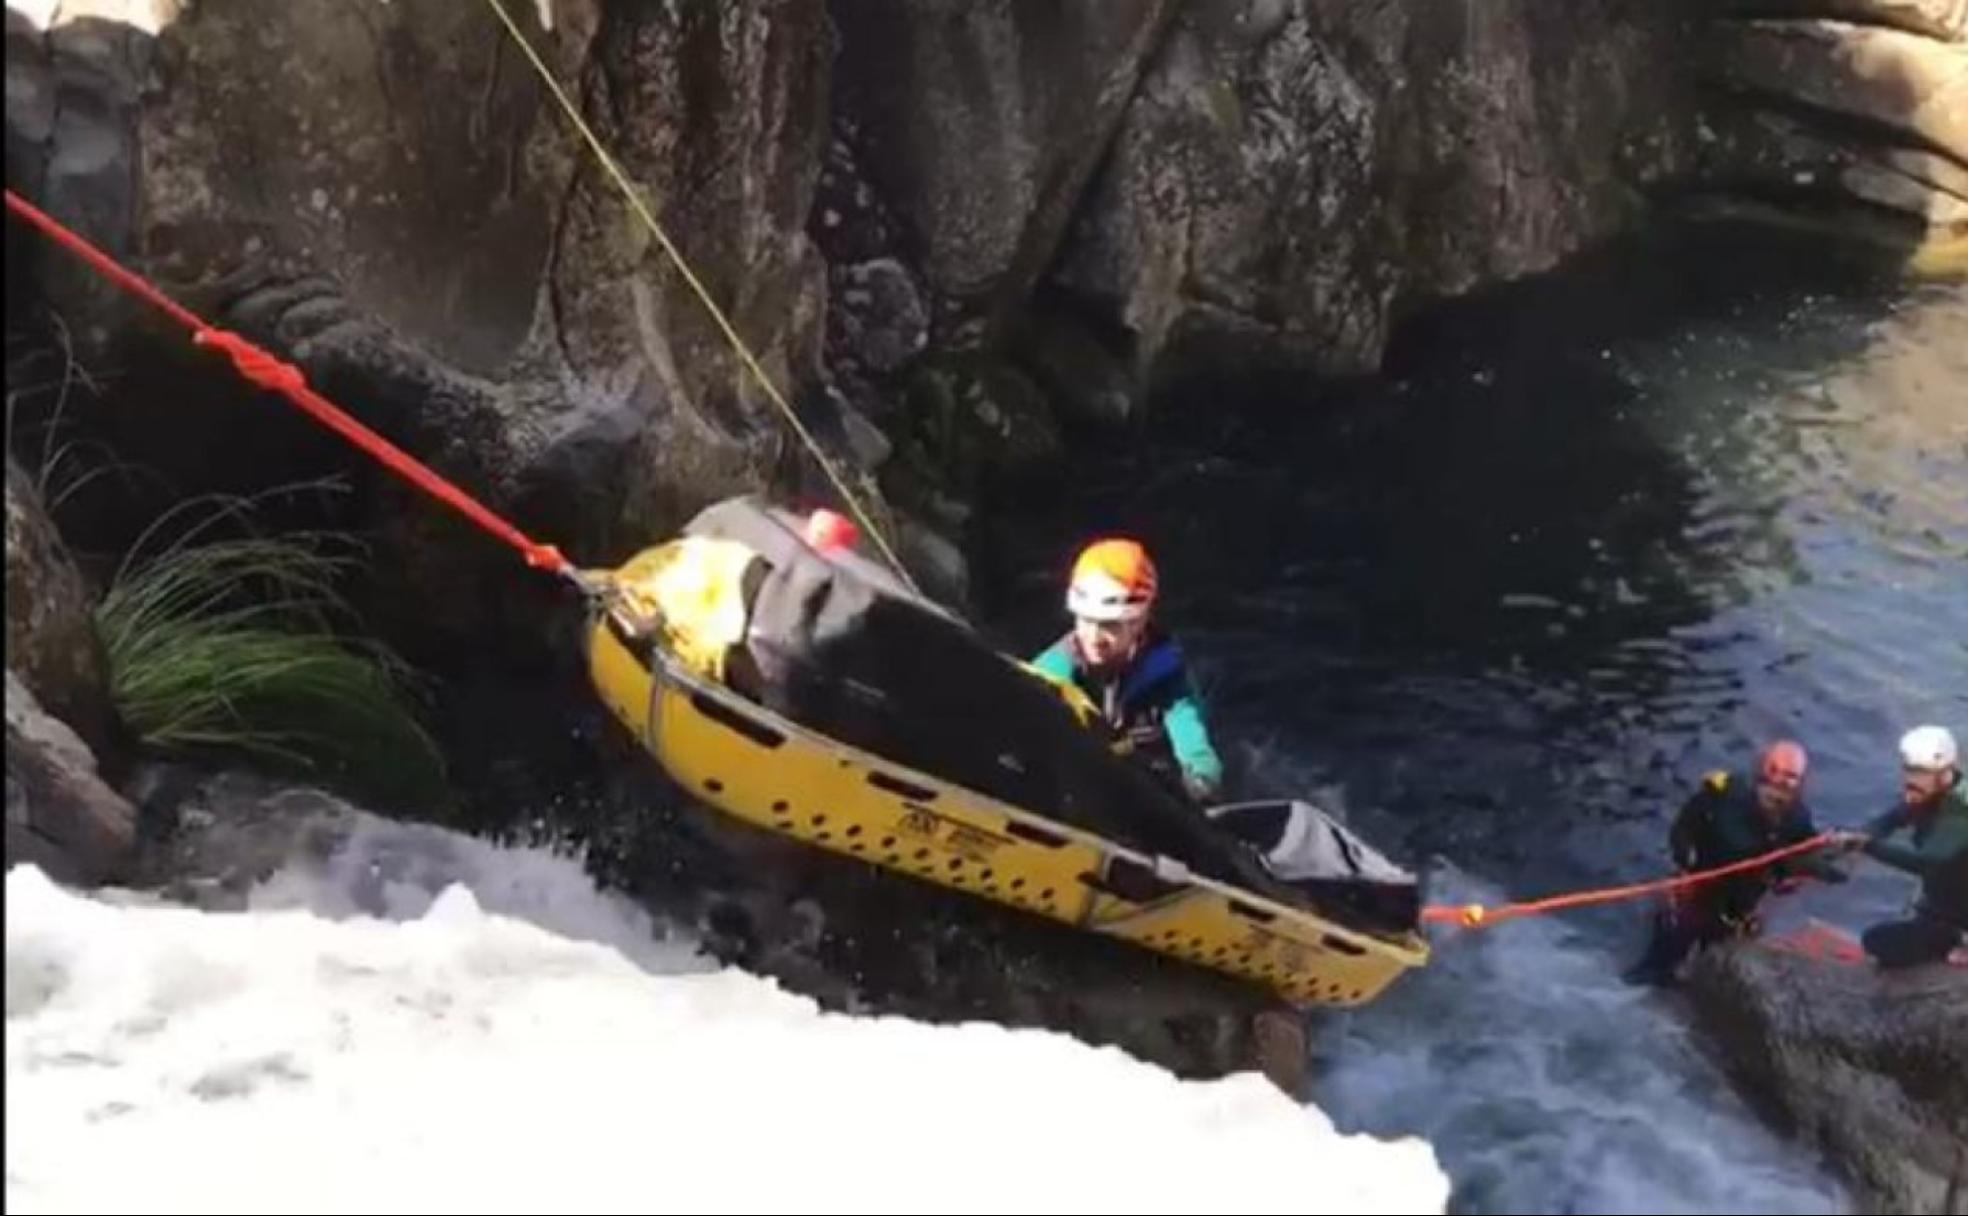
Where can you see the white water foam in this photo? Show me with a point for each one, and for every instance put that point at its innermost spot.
(355, 1042)
(1549, 1085)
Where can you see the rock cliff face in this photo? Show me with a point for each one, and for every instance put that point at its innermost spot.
(387, 195)
(1292, 175)
(1849, 116)
(1009, 210)
(979, 126)
(1278, 177)
(1871, 1067)
(383, 194)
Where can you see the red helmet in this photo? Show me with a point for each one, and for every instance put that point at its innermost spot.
(828, 531)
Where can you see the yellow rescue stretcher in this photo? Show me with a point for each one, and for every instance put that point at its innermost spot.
(656, 654)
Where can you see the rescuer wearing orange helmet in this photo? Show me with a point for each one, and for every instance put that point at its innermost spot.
(1130, 669)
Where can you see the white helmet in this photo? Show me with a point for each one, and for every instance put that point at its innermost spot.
(1929, 747)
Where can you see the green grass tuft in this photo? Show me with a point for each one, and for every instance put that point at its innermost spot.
(236, 645)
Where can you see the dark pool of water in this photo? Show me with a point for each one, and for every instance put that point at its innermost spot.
(1504, 605)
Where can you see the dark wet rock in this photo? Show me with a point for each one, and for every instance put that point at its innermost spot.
(61, 815)
(51, 629)
(1871, 1067)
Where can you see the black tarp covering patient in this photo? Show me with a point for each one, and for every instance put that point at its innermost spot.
(836, 643)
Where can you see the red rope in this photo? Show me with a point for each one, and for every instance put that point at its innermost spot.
(260, 367)
(1472, 915)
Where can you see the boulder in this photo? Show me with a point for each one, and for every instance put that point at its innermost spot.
(1870, 1066)
(61, 815)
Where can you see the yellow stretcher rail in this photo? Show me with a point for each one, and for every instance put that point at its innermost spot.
(759, 767)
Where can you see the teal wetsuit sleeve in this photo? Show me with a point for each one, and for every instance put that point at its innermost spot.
(1055, 662)
(1190, 738)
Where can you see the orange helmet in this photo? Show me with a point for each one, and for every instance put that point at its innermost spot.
(1114, 580)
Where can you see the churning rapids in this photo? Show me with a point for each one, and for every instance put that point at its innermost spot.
(1502, 607)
